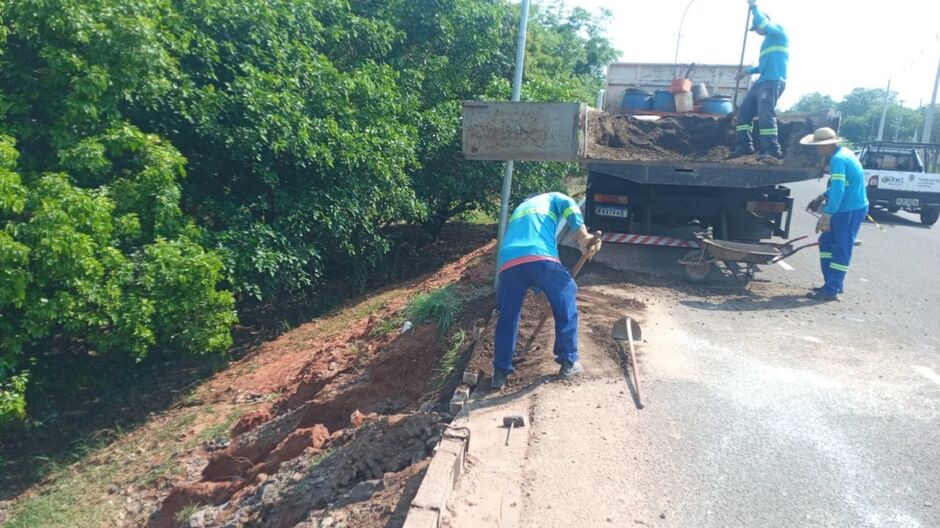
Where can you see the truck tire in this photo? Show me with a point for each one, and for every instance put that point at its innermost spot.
(929, 216)
(697, 273)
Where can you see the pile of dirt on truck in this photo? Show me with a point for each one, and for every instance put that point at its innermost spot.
(691, 137)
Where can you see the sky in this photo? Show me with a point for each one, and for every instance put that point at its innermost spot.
(835, 45)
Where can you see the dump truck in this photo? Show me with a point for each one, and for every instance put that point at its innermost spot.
(898, 179)
(647, 190)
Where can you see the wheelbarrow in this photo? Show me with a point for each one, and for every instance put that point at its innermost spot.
(698, 265)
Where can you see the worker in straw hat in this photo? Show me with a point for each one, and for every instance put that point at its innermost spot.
(843, 208)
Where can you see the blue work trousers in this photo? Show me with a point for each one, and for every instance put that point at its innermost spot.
(760, 102)
(555, 281)
(835, 248)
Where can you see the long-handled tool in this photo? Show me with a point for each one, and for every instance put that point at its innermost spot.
(574, 273)
(737, 84)
(626, 329)
(512, 421)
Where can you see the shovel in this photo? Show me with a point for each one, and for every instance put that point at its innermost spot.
(626, 329)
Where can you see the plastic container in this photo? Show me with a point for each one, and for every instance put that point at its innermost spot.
(684, 103)
(663, 101)
(699, 93)
(718, 105)
(635, 100)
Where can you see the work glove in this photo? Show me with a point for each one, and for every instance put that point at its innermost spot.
(816, 203)
(823, 225)
(752, 3)
(590, 245)
(742, 74)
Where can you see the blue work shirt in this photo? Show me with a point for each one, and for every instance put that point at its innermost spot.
(530, 236)
(774, 52)
(847, 190)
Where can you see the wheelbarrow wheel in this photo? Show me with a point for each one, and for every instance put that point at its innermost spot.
(695, 270)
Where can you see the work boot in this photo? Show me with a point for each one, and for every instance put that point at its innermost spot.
(570, 370)
(822, 296)
(771, 158)
(820, 288)
(499, 379)
(740, 152)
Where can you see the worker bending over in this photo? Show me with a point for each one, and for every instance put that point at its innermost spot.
(528, 258)
(846, 206)
(761, 99)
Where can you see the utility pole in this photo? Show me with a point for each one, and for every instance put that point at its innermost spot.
(516, 94)
(932, 111)
(897, 131)
(884, 113)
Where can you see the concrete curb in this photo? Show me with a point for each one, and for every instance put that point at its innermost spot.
(447, 464)
(427, 508)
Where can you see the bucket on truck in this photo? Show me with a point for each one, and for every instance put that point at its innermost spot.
(664, 101)
(718, 105)
(636, 100)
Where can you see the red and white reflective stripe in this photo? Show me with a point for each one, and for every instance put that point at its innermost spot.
(648, 240)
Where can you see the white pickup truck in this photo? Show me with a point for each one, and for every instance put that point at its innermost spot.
(897, 180)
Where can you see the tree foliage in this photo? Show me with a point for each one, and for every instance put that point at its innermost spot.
(96, 252)
(862, 110)
(162, 159)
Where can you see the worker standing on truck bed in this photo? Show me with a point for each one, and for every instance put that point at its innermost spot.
(846, 206)
(761, 99)
(529, 259)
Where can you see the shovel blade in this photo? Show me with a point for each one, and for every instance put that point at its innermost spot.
(620, 329)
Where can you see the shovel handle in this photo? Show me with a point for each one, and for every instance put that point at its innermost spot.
(586, 256)
(636, 378)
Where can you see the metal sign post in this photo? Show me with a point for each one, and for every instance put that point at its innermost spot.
(516, 94)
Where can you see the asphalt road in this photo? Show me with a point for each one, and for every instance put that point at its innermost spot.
(762, 408)
(799, 414)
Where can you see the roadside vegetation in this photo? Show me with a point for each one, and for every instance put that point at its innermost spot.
(167, 168)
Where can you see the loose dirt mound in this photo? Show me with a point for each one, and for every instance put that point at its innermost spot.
(351, 471)
(685, 138)
(343, 401)
(596, 310)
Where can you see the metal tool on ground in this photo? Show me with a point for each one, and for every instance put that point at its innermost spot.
(511, 422)
(626, 329)
(574, 273)
(737, 85)
(880, 227)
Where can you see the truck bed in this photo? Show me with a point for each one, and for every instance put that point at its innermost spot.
(706, 174)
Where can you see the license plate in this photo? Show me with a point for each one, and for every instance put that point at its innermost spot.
(615, 211)
(907, 202)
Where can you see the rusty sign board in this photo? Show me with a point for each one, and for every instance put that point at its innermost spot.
(524, 131)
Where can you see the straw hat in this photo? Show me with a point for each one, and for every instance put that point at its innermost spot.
(823, 136)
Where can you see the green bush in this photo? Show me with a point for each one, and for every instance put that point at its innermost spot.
(159, 159)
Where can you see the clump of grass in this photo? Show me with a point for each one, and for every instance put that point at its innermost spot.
(319, 458)
(222, 428)
(387, 326)
(448, 363)
(440, 306)
(187, 512)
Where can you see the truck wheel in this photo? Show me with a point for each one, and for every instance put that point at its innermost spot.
(696, 273)
(929, 216)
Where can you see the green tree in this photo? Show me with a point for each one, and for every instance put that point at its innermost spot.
(862, 110)
(94, 245)
(813, 103)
